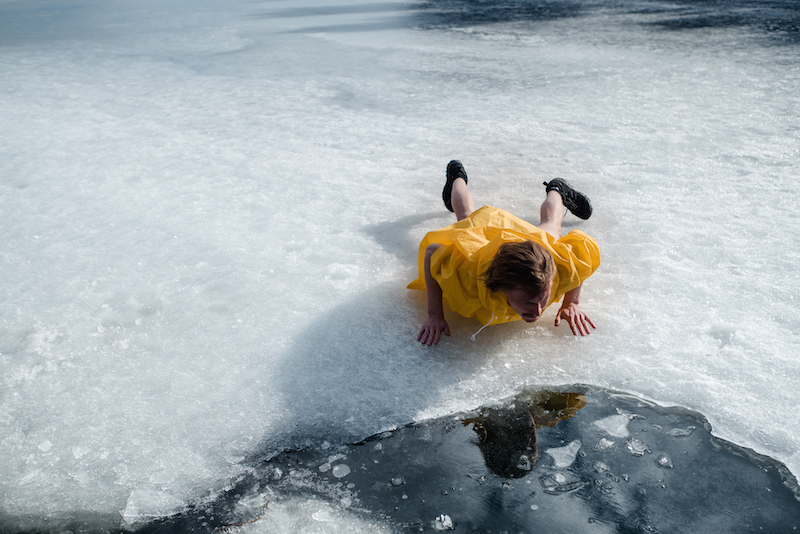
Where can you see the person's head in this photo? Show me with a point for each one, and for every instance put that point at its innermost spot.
(523, 271)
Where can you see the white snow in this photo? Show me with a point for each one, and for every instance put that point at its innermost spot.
(210, 213)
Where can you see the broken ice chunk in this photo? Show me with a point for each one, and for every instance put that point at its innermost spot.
(636, 447)
(340, 470)
(615, 425)
(146, 504)
(565, 456)
(680, 432)
(603, 445)
(324, 515)
(600, 467)
(443, 522)
(664, 461)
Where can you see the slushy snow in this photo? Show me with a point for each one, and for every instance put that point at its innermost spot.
(210, 213)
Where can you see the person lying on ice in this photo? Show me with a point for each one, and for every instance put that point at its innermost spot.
(498, 268)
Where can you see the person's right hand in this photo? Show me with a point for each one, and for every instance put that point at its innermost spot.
(432, 329)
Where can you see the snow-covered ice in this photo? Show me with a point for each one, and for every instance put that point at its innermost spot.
(210, 212)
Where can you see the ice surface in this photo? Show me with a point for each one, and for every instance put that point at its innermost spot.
(210, 212)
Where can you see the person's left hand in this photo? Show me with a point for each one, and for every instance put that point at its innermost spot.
(578, 321)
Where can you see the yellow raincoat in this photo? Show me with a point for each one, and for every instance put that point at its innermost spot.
(469, 246)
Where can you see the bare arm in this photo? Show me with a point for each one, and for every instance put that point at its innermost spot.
(570, 310)
(435, 324)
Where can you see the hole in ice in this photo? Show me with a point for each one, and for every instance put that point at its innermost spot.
(475, 458)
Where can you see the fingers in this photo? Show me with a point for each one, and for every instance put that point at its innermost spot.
(578, 321)
(429, 335)
(574, 325)
(580, 324)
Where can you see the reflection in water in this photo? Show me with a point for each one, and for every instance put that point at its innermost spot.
(507, 435)
(612, 463)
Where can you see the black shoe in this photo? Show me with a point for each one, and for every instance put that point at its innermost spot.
(454, 170)
(576, 202)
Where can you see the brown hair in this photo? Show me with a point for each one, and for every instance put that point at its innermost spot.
(520, 264)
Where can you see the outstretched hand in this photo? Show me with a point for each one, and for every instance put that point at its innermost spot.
(578, 321)
(432, 329)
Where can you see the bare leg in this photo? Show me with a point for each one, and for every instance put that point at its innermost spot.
(551, 214)
(461, 199)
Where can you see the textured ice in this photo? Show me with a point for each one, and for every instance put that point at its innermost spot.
(210, 212)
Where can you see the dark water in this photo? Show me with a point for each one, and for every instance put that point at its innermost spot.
(780, 18)
(543, 461)
(777, 20)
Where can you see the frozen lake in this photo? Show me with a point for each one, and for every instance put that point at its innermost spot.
(211, 211)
